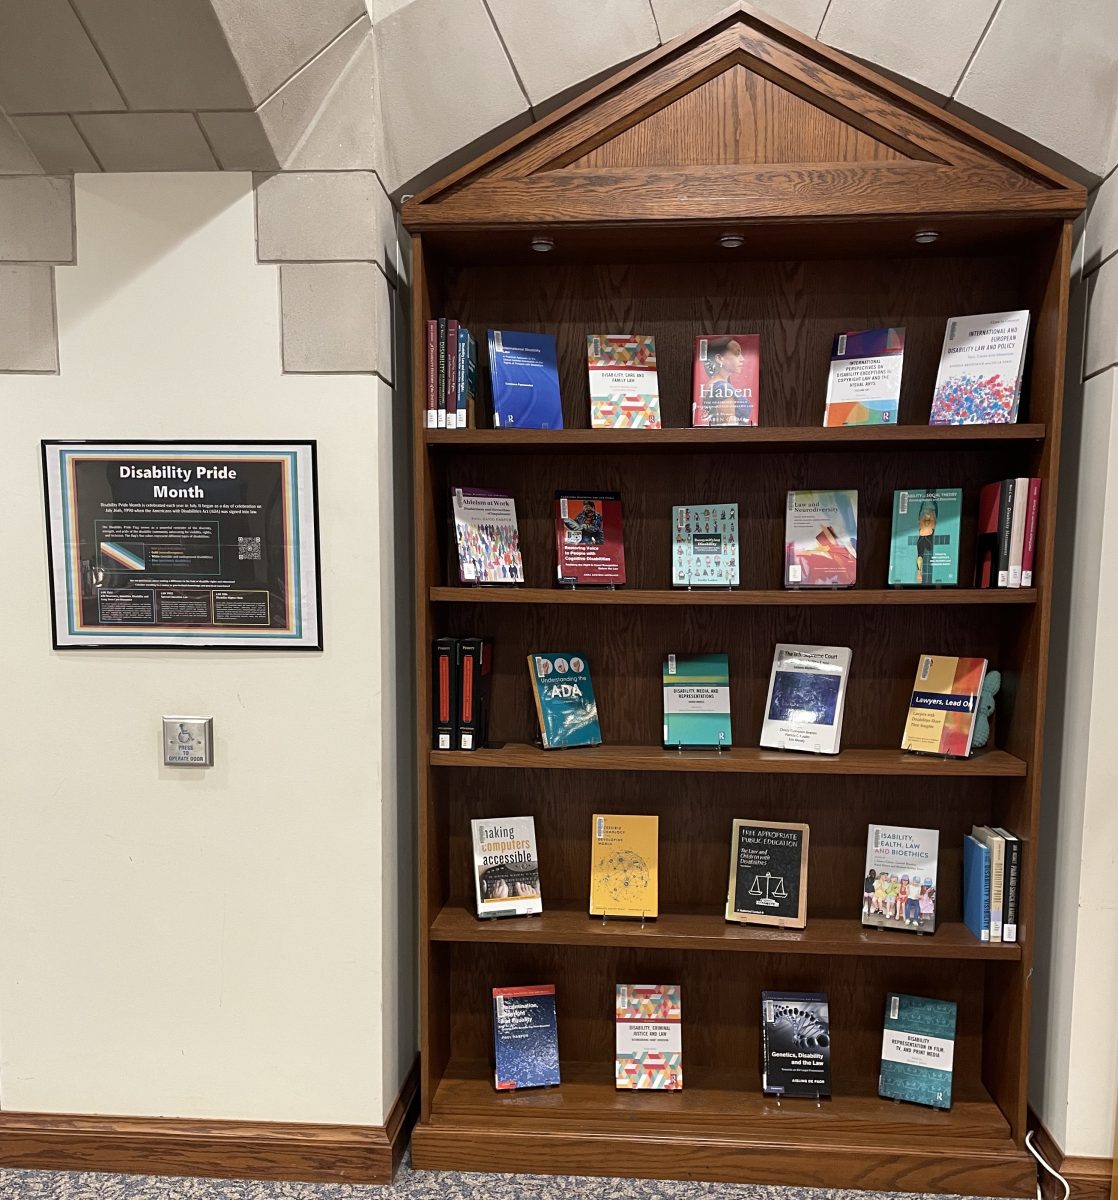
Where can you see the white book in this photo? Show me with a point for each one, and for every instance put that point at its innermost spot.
(807, 694)
(488, 539)
(506, 867)
(900, 888)
(995, 843)
(1017, 521)
(980, 366)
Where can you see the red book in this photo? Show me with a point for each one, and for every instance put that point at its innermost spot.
(475, 672)
(589, 546)
(726, 379)
(987, 536)
(443, 688)
(432, 374)
(1032, 519)
(452, 374)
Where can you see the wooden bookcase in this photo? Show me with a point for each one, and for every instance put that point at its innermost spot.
(828, 171)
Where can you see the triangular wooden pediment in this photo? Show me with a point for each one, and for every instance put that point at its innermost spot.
(743, 119)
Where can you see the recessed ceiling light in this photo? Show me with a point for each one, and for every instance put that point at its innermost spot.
(926, 236)
(731, 241)
(542, 244)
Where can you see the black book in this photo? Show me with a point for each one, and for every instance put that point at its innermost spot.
(1005, 525)
(440, 382)
(475, 671)
(1011, 891)
(444, 695)
(795, 1044)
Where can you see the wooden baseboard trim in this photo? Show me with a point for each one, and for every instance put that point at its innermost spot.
(218, 1149)
(1089, 1178)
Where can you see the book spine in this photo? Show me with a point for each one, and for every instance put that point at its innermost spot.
(432, 374)
(471, 383)
(441, 380)
(443, 694)
(1017, 530)
(1012, 886)
(986, 897)
(475, 669)
(452, 374)
(997, 883)
(460, 379)
(1005, 520)
(1032, 519)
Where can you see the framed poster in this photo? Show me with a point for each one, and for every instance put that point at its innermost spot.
(183, 544)
(768, 873)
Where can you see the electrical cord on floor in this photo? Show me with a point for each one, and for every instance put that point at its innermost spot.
(1051, 1171)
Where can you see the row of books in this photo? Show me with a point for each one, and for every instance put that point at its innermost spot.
(820, 538)
(978, 382)
(917, 1050)
(992, 883)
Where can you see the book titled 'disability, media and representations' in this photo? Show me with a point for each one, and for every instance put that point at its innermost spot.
(725, 387)
(980, 369)
(697, 702)
(807, 694)
(566, 710)
(795, 1044)
(821, 539)
(705, 545)
(624, 865)
(864, 384)
(506, 867)
(768, 873)
(624, 391)
(589, 543)
(649, 1037)
(900, 886)
(924, 549)
(487, 537)
(525, 1037)
(918, 1050)
(525, 380)
(944, 705)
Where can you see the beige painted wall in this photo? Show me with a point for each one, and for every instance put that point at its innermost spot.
(219, 943)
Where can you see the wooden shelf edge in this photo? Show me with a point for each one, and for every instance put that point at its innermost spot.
(740, 760)
(774, 598)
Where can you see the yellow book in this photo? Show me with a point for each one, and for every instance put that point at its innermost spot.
(623, 860)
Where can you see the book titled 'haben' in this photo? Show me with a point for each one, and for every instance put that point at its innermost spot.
(918, 1050)
(506, 867)
(944, 705)
(624, 392)
(525, 1037)
(649, 1037)
(725, 385)
(697, 702)
(589, 547)
(623, 865)
(565, 706)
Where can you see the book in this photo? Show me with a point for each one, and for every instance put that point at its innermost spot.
(989, 537)
(924, 549)
(901, 870)
(768, 873)
(821, 539)
(471, 385)
(807, 693)
(452, 374)
(506, 867)
(432, 374)
(1017, 529)
(943, 705)
(525, 1037)
(444, 686)
(623, 866)
(864, 383)
(525, 379)
(918, 1050)
(475, 675)
(1012, 883)
(1032, 519)
(995, 843)
(461, 399)
(697, 702)
(795, 1044)
(565, 706)
(976, 887)
(624, 392)
(705, 545)
(440, 393)
(649, 1037)
(589, 542)
(725, 386)
(980, 369)
(487, 537)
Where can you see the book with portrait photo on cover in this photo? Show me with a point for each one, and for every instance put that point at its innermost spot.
(725, 387)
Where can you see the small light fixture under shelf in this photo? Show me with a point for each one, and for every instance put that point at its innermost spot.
(731, 241)
(542, 244)
(926, 236)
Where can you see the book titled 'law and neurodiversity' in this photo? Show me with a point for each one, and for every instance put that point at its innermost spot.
(624, 390)
(649, 1037)
(506, 867)
(565, 706)
(726, 379)
(924, 549)
(697, 702)
(821, 539)
(705, 545)
(525, 380)
(944, 704)
(918, 1050)
(864, 384)
(525, 1037)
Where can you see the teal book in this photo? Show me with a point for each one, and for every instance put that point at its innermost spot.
(565, 704)
(697, 702)
(918, 1050)
(924, 550)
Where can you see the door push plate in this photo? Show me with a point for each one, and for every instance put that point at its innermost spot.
(188, 741)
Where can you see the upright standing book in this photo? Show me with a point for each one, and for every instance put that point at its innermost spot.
(918, 1050)
(525, 1037)
(924, 550)
(565, 706)
(821, 539)
(980, 369)
(900, 887)
(649, 1037)
(768, 873)
(705, 545)
(944, 705)
(624, 391)
(725, 386)
(976, 887)
(589, 544)
(995, 843)
(444, 694)
(795, 1044)
(864, 384)
(697, 702)
(624, 857)
(474, 657)
(487, 536)
(807, 694)
(506, 867)
(525, 379)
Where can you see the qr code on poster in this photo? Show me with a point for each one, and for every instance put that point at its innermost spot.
(248, 549)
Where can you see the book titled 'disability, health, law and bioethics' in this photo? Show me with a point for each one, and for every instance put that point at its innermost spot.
(821, 539)
(525, 1037)
(565, 706)
(918, 1050)
(649, 1037)
(864, 385)
(506, 867)
(725, 387)
(487, 536)
(768, 873)
(624, 391)
(980, 368)
(589, 543)
(944, 704)
(900, 887)
(624, 853)
(697, 702)
(924, 550)
(525, 380)
(705, 545)
(795, 1044)
(807, 694)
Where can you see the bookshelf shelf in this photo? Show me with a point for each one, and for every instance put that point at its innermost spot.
(741, 760)
(737, 597)
(561, 925)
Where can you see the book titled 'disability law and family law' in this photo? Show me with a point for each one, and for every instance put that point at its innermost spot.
(624, 390)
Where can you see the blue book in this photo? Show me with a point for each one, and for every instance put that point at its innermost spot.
(565, 705)
(525, 378)
(525, 1037)
(976, 887)
(918, 1050)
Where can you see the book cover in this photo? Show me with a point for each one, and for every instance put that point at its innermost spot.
(980, 368)
(487, 537)
(807, 692)
(705, 545)
(589, 541)
(649, 1037)
(475, 676)
(821, 539)
(976, 887)
(565, 706)
(525, 378)
(768, 873)
(1032, 519)
(506, 867)
(525, 1037)
(918, 1050)
(444, 686)
(924, 550)
(725, 388)
(943, 706)
(697, 702)
(1012, 883)
(864, 384)
(901, 871)
(623, 865)
(995, 843)
(624, 391)
(795, 1044)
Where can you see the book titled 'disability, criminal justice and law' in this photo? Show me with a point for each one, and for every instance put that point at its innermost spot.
(649, 1037)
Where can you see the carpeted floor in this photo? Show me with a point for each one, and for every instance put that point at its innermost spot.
(409, 1185)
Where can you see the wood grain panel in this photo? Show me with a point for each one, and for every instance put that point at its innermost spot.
(623, 597)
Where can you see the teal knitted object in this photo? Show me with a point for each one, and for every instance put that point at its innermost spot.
(990, 688)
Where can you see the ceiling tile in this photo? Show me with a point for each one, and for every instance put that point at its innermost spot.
(147, 141)
(57, 144)
(681, 16)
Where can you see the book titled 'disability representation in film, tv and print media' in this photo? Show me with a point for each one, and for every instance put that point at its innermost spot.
(795, 1044)
(864, 384)
(821, 539)
(725, 387)
(900, 886)
(566, 710)
(697, 702)
(649, 1037)
(624, 390)
(807, 695)
(487, 537)
(944, 705)
(768, 873)
(525, 1037)
(589, 541)
(924, 549)
(624, 867)
(918, 1050)
(705, 546)
(506, 867)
